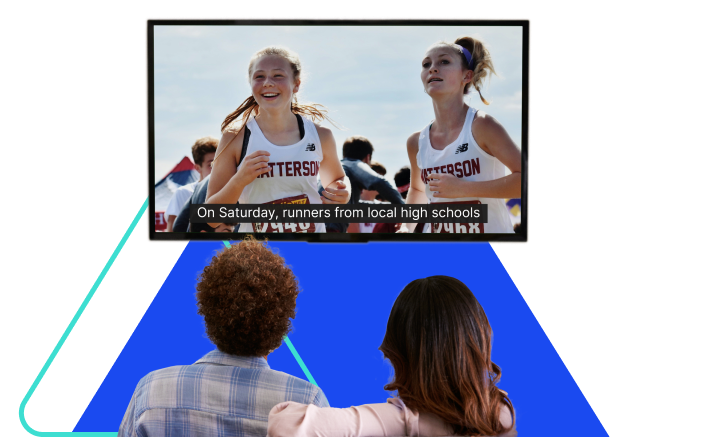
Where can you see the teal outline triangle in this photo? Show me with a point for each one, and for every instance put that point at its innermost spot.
(77, 316)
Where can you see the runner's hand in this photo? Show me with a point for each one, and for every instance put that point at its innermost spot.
(336, 193)
(447, 186)
(252, 166)
(402, 229)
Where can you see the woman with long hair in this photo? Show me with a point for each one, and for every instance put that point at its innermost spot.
(460, 157)
(439, 343)
(272, 150)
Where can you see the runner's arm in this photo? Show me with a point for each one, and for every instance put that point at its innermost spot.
(417, 189)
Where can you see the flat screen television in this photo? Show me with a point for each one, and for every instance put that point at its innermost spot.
(370, 76)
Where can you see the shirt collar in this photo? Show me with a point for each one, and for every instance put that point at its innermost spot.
(223, 359)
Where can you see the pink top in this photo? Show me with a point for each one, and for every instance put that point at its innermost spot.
(291, 419)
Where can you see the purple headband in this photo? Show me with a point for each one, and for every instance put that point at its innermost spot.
(468, 56)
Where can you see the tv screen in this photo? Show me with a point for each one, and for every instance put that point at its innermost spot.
(340, 131)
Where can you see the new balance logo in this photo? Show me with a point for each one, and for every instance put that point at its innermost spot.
(462, 148)
(312, 147)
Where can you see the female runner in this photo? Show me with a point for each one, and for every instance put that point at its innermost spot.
(439, 343)
(460, 157)
(285, 152)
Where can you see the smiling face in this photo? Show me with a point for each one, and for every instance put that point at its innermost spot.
(442, 71)
(273, 82)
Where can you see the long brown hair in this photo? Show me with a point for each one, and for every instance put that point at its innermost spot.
(314, 111)
(439, 342)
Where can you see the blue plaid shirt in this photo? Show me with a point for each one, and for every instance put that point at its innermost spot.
(220, 395)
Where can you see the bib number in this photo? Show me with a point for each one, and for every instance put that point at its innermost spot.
(458, 228)
(286, 228)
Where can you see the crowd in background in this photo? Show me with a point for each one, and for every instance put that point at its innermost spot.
(366, 176)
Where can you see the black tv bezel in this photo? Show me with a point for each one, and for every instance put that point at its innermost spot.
(511, 238)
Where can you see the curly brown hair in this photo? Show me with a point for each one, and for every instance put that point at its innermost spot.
(247, 296)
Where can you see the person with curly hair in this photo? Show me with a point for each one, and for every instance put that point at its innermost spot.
(247, 297)
(439, 343)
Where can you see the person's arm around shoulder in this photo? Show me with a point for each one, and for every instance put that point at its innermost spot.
(227, 179)
(320, 400)
(505, 417)
(417, 189)
(335, 190)
(291, 419)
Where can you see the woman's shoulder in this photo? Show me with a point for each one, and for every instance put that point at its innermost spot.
(294, 419)
(484, 122)
(507, 420)
(322, 130)
(325, 135)
(412, 143)
(232, 136)
(230, 142)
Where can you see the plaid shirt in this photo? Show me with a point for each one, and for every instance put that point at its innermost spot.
(220, 395)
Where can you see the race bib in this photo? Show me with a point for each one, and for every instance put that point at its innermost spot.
(286, 227)
(458, 228)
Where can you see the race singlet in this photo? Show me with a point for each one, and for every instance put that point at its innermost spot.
(287, 227)
(458, 228)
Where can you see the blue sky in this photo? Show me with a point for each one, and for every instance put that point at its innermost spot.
(367, 76)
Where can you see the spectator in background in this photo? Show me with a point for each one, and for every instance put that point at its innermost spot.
(368, 196)
(203, 152)
(181, 224)
(357, 154)
(402, 179)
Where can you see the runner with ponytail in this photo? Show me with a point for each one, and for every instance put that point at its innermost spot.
(461, 156)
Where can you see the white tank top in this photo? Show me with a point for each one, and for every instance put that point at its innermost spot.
(464, 159)
(293, 178)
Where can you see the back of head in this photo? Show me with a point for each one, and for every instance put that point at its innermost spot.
(247, 296)
(357, 147)
(439, 342)
(378, 168)
(202, 147)
(402, 179)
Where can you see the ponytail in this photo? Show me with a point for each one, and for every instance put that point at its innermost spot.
(314, 111)
(245, 109)
(482, 63)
